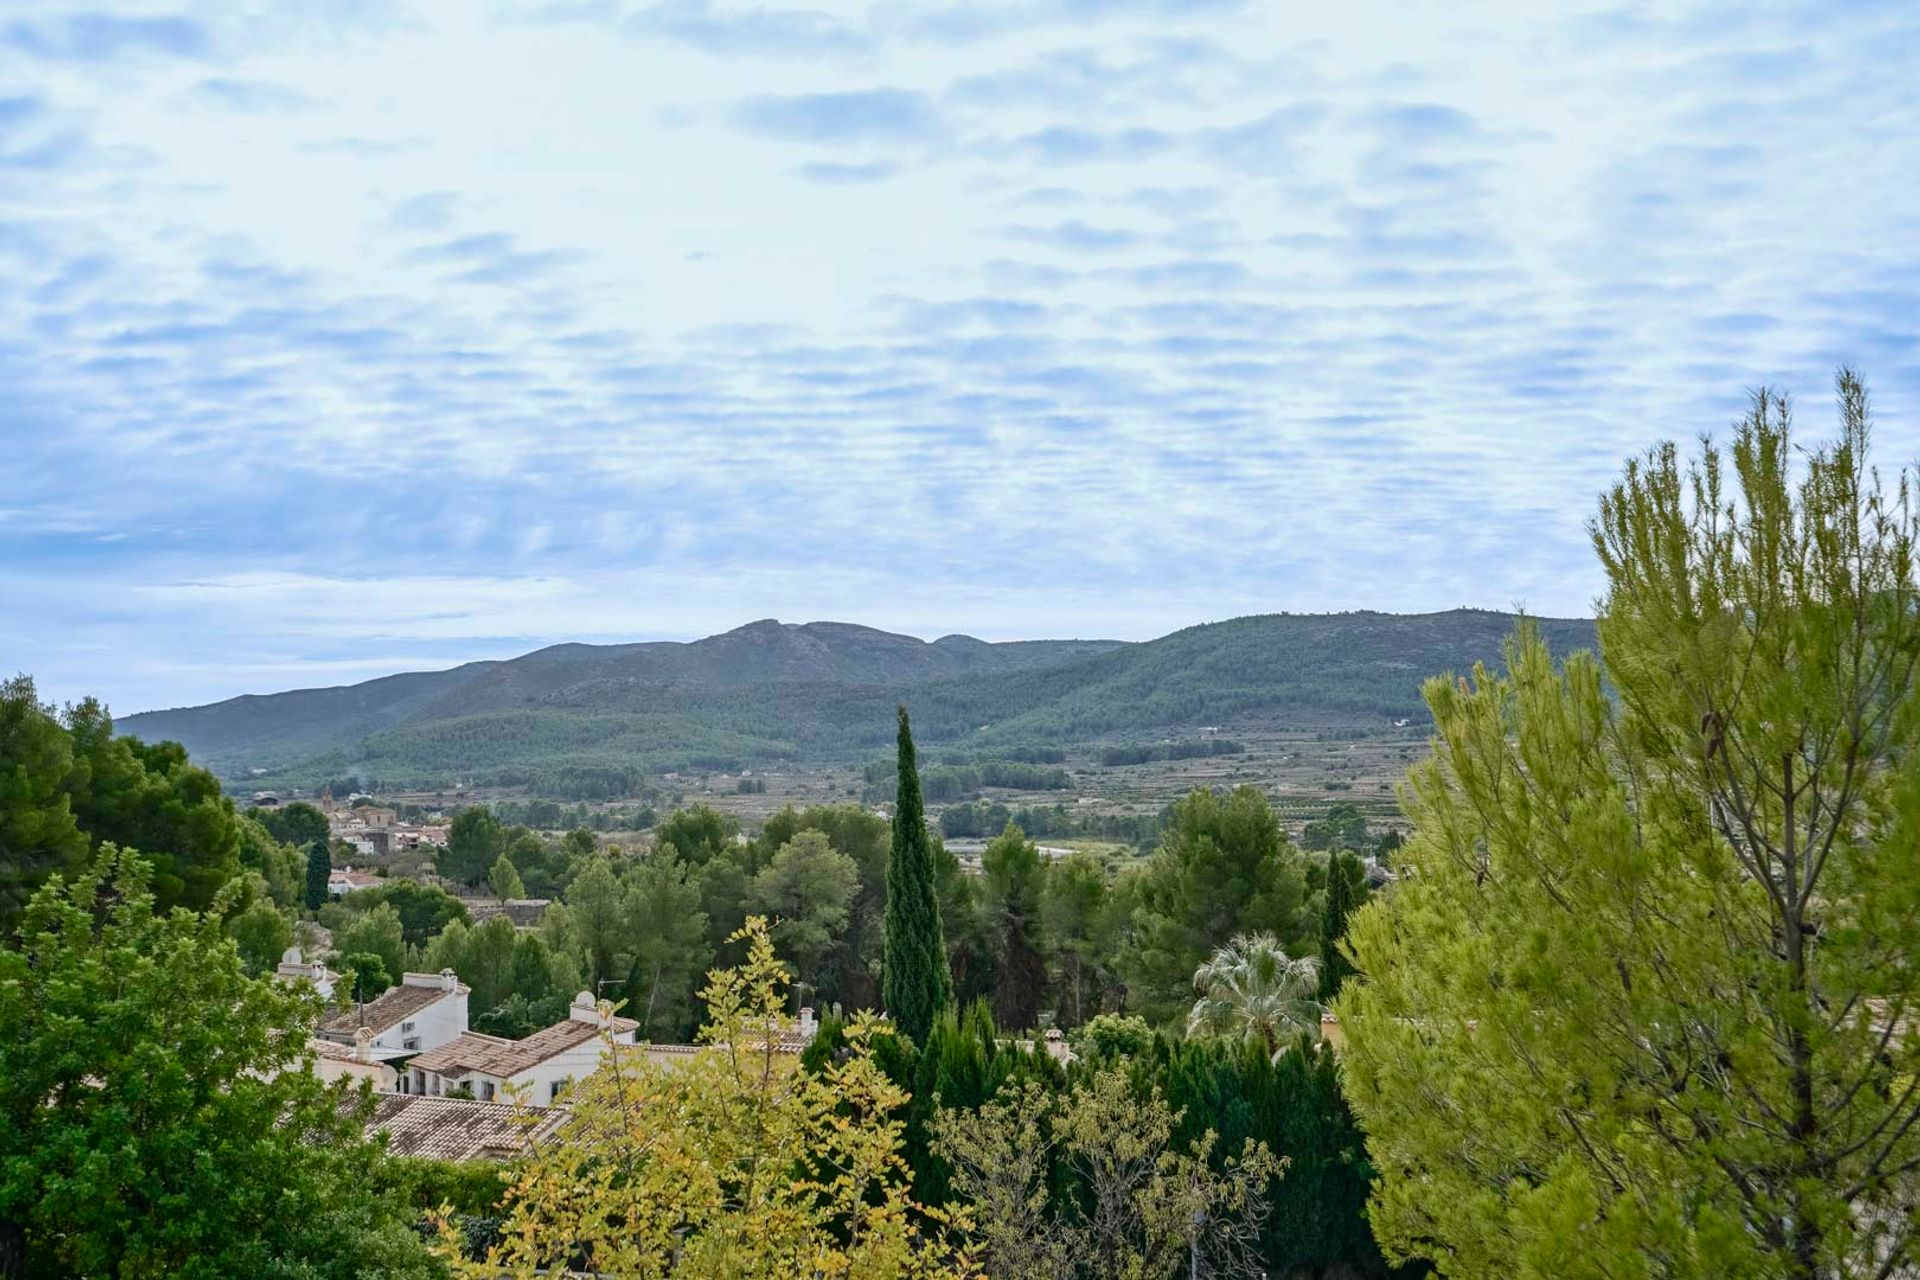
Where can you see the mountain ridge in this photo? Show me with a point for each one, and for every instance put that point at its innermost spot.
(596, 717)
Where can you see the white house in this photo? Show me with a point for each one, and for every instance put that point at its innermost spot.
(539, 1068)
(293, 968)
(424, 1012)
(344, 880)
(334, 1062)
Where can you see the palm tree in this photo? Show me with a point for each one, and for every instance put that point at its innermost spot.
(1253, 989)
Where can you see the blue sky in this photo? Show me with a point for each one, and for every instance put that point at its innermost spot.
(342, 338)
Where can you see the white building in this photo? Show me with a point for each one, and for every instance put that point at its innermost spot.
(539, 1069)
(334, 1062)
(344, 880)
(294, 969)
(424, 1012)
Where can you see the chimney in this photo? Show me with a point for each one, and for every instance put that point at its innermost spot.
(363, 1045)
(807, 1025)
(448, 982)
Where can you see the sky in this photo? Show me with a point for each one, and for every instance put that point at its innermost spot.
(340, 338)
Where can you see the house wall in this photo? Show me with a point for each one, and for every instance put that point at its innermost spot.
(536, 1083)
(443, 1020)
(383, 1076)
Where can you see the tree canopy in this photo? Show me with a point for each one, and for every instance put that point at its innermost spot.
(156, 1119)
(1642, 1002)
(917, 982)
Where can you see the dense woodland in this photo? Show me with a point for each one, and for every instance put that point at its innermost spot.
(1641, 1002)
(585, 722)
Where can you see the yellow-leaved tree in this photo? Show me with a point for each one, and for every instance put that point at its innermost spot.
(735, 1163)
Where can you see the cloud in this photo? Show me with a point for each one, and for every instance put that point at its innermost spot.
(1074, 144)
(100, 37)
(866, 115)
(832, 173)
(774, 32)
(1076, 236)
(648, 316)
(429, 211)
(252, 96)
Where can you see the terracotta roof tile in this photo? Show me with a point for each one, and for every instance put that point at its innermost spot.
(454, 1129)
(497, 1057)
(393, 1007)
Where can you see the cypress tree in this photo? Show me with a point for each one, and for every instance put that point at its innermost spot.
(319, 868)
(1344, 876)
(916, 985)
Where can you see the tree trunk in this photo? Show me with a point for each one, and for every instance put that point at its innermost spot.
(13, 1250)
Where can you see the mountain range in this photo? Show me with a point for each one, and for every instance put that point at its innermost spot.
(593, 720)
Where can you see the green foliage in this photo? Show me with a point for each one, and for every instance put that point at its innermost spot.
(596, 910)
(1013, 874)
(916, 982)
(319, 873)
(989, 818)
(1346, 891)
(1223, 868)
(1112, 1035)
(297, 824)
(1136, 1203)
(151, 799)
(668, 933)
(697, 835)
(1143, 753)
(38, 834)
(281, 866)
(375, 932)
(262, 933)
(504, 879)
(1252, 990)
(367, 975)
(474, 840)
(498, 963)
(1641, 1003)
(733, 1164)
(1084, 921)
(1342, 827)
(156, 1119)
(424, 910)
(807, 890)
(848, 975)
(599, 726)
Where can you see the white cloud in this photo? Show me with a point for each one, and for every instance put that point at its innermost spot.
(410, 340)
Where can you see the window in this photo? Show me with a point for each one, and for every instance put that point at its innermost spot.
(486, 1091)
(560, 1086)
(411, 1042)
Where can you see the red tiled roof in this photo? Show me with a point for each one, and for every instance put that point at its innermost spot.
(503, 1058)
(392, 1008)
(455, 1129)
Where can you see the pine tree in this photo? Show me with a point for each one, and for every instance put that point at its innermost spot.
(916, 984)
(1642, 1000)
(504, 879)
(319, 869)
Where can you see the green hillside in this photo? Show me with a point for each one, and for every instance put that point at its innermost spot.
(588, 721)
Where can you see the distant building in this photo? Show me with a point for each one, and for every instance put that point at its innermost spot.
(790, 1039)
(293, 968)
(345, 880)
(424, 1012)
(537, 1069)
(455, 1129)
(333, 1061)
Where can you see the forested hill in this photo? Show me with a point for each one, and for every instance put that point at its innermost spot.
(275, 730)
(591, 720)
